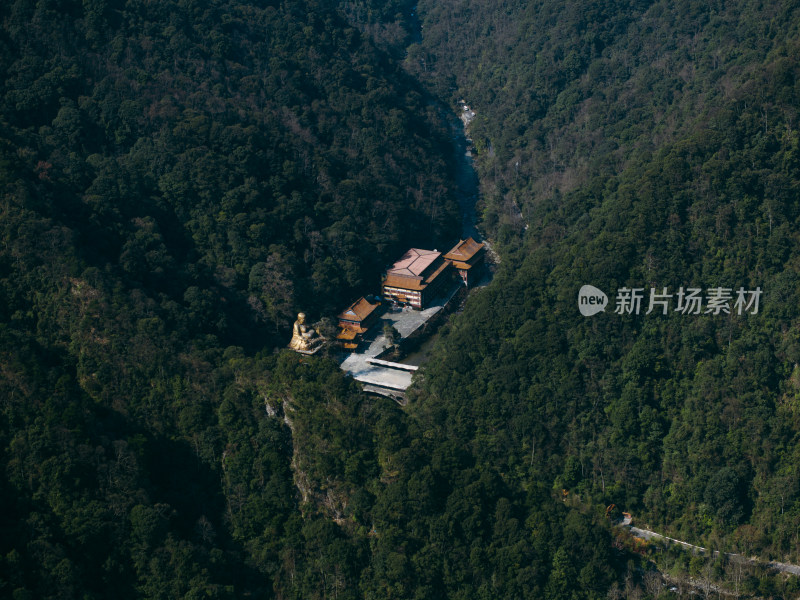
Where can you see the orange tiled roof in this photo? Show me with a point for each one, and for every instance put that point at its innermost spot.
(415, 283)
(358, 310)
(462, 266)
(353, 327)
(464, 250)
(347, 334)
(406, 283)
(414, 263)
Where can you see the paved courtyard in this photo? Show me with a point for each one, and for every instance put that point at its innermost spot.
(406, 322)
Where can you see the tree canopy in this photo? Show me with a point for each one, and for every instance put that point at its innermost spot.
(179, 178)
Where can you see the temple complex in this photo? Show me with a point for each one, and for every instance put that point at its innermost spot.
(417, 277)
(421, 279)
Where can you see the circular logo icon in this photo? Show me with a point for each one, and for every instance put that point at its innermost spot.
(591, 300)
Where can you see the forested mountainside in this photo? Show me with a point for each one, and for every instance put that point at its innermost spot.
(269, 152)
(649, 145)
(179, 178)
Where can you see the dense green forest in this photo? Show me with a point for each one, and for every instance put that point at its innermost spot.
(179, 178)
(632, 145)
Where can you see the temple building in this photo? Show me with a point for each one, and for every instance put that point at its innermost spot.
(468, 257)
(417, 277)
(355, 320)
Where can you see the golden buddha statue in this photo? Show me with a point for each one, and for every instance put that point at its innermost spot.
(304, 339)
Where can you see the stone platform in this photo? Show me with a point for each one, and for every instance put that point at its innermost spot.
(407, 322)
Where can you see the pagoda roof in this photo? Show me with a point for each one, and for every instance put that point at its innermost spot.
(358, 310)
(464, 250)
(347, 335)
(414, 263)
(405, 283)
(415, 283)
